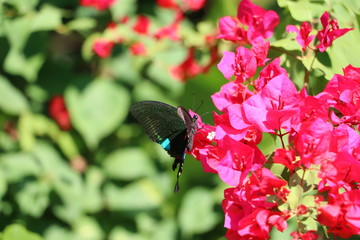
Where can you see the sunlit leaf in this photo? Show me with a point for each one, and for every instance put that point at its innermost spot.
(196, 214)
(12, 101)
(98, 110)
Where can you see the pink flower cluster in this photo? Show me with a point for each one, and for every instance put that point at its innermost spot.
(182, 5)
(137, 33)
(326, 36)
(252, 23)
(100, 5)
(317, 133)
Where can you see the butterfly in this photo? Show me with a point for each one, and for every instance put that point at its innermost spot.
(172, 128)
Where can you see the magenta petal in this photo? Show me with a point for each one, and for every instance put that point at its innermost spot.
(236, 117)
(228, 27)
(226, 171)
(226, 64)
(278, 95)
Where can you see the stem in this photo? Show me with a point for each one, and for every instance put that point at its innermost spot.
(307, 72)
(281, 138)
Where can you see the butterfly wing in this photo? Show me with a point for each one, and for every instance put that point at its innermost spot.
(163, 125)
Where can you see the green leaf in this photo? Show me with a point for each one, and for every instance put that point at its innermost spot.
(56, 232)
(97, 111)
(18, 232)
(88, 228)
(48, 18)
(16, 166)
(17, 31)
(92, 191)
(128, 164)
(309, 224)
(287, 44)
(124, 68)
(23, 6)
(316, 64)
(27, 67)
(345, 51)
(160, 74)
(308, 201)
(12, 101)
(118, 233)
(33, 198)
(3, 186)
(303, 10)
(295, 196)
(81, 24)
(170, 53)
(123, 8)
(196, 212)
(140, 195)
(165, 230)
(66, 183)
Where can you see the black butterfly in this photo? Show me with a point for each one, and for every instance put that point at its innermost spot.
(173, 128)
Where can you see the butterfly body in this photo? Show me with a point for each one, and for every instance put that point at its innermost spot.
(172, 128)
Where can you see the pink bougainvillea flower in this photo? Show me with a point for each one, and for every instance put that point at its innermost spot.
(241, 64)
(204, 146)
(286, 158)
(341, 171)
(98, 4)
(330, 32)
(261, 23)
(248, 214)
(251, 24)
(310, 235)
(342, 214)
(103, 47)
(230, 93)
(260, 49)
(270, 71)
(142, 24)
(188, 68)
(170, 32)
(138, 49)
(167, 4)
(343, 93)
(313, 141)
(194, 5)
(303, 36)
(230, 30)
(58, 112)
(274, 107)
(224, 128)
(239, 159)
(184, 5)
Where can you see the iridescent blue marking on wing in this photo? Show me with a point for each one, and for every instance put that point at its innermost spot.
(166, 144)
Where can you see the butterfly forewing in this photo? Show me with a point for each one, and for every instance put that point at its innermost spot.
(159, 120)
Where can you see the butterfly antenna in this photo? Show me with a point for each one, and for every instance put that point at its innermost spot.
(202, 102)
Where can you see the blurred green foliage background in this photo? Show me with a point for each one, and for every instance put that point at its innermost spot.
(104, 179)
